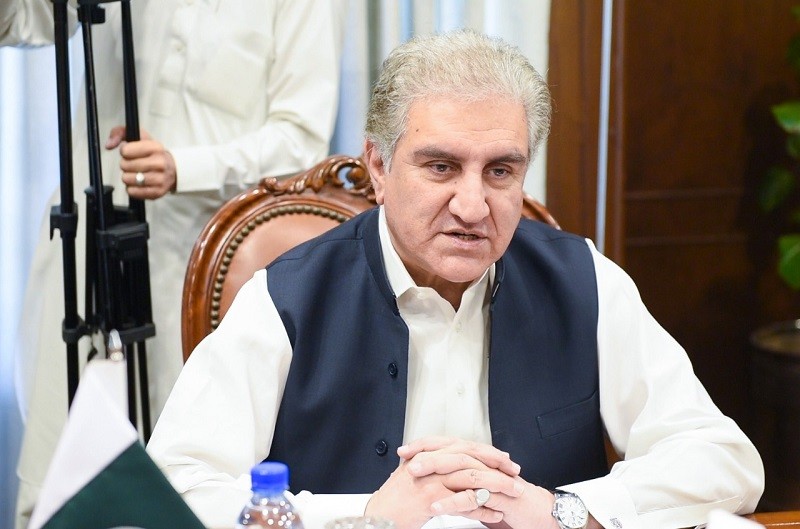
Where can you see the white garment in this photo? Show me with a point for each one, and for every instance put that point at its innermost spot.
(235, 90)
(683, 457)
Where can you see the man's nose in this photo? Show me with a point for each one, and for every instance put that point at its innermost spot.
(469, 199)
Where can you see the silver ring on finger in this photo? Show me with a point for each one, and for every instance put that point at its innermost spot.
(139, 179)
(482, 496)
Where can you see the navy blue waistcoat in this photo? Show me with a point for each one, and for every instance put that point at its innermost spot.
(343, 411)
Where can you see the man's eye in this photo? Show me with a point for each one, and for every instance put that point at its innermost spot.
(500, 172)
(440, 167)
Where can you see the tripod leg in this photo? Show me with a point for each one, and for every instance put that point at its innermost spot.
(144, 392)
(131, 372)
(139, 271)
(65, 217)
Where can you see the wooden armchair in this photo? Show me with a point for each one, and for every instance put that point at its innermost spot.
(257, 225)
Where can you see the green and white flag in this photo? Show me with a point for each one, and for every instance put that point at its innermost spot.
(100, 476)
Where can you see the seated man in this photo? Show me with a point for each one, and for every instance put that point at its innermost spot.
(439, 356)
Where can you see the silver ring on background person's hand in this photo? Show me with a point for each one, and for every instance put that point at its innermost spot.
(482, 496)
(139, 179)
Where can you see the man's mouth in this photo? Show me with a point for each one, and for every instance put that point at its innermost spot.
(464, 236)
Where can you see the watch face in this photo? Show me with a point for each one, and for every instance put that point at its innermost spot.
(570, 511)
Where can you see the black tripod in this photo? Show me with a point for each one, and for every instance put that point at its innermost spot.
(117, 268)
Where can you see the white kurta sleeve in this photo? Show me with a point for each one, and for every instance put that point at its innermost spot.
(683, 457)
(30, 22)
(302, 91)
(220, 417)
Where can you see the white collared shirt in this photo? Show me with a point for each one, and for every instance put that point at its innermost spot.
(683, 457)
(447, 353)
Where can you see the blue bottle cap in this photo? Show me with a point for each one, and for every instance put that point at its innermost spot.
(270, 476)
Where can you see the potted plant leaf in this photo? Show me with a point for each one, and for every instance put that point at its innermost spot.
(779, 189)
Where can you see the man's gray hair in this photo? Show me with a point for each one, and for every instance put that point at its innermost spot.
(463, 64)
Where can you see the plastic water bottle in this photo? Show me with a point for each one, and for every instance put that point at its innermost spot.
(269, 507)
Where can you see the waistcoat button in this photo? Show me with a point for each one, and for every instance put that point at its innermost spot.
(381, 447)
(393, 370)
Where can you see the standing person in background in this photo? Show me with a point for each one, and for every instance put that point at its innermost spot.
(228, 92)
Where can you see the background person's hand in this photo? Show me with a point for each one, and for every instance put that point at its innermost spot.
(148, 157)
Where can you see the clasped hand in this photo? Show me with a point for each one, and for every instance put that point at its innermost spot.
(439, 475)
(148, 157)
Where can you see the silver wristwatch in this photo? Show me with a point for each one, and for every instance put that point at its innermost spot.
(569, 511)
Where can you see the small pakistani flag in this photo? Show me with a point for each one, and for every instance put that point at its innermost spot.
(100, 476)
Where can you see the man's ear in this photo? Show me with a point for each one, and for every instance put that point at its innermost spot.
(376, 168)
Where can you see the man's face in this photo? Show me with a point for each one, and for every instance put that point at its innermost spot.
(453, 196)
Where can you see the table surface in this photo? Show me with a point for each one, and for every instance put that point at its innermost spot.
(777, 519)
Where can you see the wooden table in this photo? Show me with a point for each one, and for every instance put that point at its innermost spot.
(777, 519)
